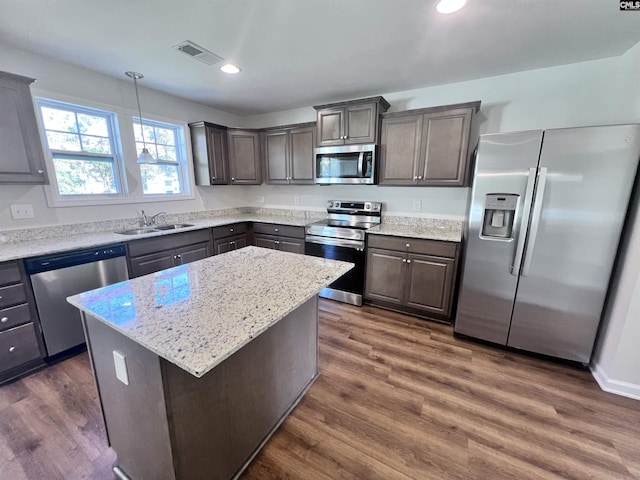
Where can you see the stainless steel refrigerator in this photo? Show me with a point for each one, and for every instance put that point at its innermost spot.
(546, 213)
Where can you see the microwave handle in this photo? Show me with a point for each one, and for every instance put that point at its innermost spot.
(361, 165)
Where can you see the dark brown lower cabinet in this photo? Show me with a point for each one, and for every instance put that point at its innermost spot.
(411, 275)
(285, 238)
(159, 253)
(230, 243)
(230, 237)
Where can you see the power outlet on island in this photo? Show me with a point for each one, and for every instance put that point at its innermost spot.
(417, 205)
(260, 198)
(296, 200)
(21, 211)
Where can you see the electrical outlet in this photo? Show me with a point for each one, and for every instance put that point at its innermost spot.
(260, 198)
(296, 200)
(417, 205)
(19, 212)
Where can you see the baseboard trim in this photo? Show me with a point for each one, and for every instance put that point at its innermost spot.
(617, 387)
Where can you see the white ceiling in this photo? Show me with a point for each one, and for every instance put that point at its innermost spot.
(297, 53)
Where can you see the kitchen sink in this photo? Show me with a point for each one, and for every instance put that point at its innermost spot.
(174, 226)
(138, 231)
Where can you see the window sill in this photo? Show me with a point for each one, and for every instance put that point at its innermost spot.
(57, 202)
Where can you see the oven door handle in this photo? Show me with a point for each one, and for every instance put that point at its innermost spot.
(337, 242)
(361, 165)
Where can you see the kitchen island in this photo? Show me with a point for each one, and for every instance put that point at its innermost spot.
(196, 366)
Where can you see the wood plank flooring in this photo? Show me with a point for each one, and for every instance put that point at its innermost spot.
(398, 398)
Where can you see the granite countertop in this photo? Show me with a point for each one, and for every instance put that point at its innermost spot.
(447, 231)
(198, 314)
(47, 246)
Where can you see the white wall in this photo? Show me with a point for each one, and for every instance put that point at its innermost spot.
(616, 362)
(73, 83)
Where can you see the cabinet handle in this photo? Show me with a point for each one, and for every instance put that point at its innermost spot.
(213, 178)
(409, 261)
(404, 260)
(12, 349)
(40, 172)
(232, 243)
(419, 177)
(4, 319)
(408, 245)
(276, 229)
(277, 242)
(233, 179)
(231, 229)
(178, 256)
(415, 177)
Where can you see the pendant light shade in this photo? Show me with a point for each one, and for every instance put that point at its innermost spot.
(145, 156)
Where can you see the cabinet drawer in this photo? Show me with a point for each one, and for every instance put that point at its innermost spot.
(228, 230)
(413, 245)
(17, 346)
(167, 242)
(279, 230)
(12, 316)
(12, 295)
(9, 273)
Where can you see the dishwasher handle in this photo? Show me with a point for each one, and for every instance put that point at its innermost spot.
(75, 257)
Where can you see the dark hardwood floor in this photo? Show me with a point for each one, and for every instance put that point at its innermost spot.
(398, 398)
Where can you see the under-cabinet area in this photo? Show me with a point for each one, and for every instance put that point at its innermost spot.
(412, 275)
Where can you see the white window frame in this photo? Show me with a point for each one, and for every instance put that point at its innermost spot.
(125, 149)
(181, 160)
(115, 156)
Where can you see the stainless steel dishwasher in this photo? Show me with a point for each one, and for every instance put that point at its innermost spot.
(56, 277)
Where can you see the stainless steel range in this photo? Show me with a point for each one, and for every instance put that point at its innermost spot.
(342, 237)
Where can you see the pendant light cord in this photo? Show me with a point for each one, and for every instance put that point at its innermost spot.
(135, 83)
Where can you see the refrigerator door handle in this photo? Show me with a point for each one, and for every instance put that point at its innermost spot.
(535, 220)
(522, 231)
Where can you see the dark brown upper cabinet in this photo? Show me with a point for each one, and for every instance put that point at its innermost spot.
(351, 122)
(21, 155)
(210, 153)
(427, 147)
(244, 157)
(288, 154)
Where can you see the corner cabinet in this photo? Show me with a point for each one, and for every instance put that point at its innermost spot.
(210, 153)
(427, 147)
(21, 154)
(288, 154)
(412, 275)
(244, 157)
(159, 253)
(349, 123)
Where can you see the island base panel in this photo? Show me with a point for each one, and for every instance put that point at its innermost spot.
(212, 426)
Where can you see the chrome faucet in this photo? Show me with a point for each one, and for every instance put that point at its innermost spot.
(147, 222)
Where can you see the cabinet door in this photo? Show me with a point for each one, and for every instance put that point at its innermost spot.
(218, 158)
(330, 127)
(360, 123)
(291, 245)
(21, 155)
(230, 243)
(193, 252)
(151, 263)
(302, 143)
(265, 241)
(445, 147)
(400, 150)
(429, 283)
(240, 242)
(244, 158)
(276, 156)
(385, 275)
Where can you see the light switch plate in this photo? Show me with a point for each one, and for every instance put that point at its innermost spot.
(120, 362)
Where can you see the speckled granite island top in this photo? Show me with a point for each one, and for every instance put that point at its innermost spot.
(198, 314)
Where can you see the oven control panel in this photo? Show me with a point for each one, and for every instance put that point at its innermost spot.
(350, 206)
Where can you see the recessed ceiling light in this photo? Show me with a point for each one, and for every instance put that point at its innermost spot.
(450, 6)
(229, 68)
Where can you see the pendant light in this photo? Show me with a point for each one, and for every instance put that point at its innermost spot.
(145, 156)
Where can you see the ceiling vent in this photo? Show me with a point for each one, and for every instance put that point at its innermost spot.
(196, 51)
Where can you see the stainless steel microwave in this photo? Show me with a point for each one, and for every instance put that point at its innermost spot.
(350, 164)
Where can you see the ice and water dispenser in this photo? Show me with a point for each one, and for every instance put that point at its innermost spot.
(499, 213)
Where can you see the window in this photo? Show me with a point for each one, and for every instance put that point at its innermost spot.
(83, 151)
(164, 143)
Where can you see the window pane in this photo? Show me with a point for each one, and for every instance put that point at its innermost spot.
(165, 136)
(81, 177)
(61, 120)
(95, 144)
(149, 135)
(166, 153)
(160, 179)
(93, 125)
(63, 141)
